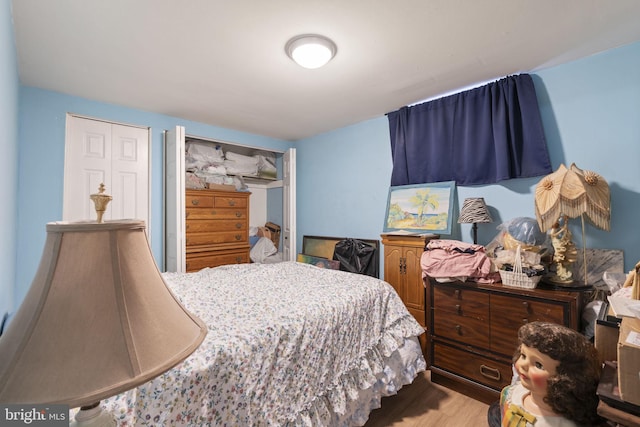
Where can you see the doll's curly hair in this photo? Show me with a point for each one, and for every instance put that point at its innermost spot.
(571, 392)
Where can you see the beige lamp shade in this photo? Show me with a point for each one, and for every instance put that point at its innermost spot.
(573, 192)
(97, 320)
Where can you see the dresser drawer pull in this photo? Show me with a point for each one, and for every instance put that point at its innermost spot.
(238, 214)
(456, 293)
(458, 309)
(491, 373)
(238, 225)
(195, 202)
(238, 237)
(525, 321)
(238, 259)
(459, 329)
(232, 202)
(525, 304)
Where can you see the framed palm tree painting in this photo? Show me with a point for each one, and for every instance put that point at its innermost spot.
(420, 208)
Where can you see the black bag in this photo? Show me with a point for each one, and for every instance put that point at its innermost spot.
(356, 256)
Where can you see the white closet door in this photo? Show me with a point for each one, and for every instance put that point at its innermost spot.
(101, 152)
(289, 205)
(174, 175)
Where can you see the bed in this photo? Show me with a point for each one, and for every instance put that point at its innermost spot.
(289, 344)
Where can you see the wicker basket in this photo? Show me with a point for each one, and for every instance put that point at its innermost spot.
(517, 278)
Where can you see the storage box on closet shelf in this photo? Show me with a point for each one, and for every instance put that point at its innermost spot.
(517, 278)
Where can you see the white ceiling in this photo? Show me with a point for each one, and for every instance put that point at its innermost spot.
(222, 62)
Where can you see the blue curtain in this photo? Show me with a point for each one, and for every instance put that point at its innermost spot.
(480, 136)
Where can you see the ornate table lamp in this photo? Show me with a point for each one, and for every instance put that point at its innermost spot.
(473, 211)
(98, 320)
(569, 193)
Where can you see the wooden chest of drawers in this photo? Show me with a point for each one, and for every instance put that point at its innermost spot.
(217, 228)
(472, 330)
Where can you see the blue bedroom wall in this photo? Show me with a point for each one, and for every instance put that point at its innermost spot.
(9, 89)
(589, 108)
(41, 165)
(590, 111)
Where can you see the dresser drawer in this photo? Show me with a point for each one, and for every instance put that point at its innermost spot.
(200, 226)
(201, 260)
(466, 330)
(216, 213)
(490, 372)
(464, 302)
(230, 201)
(199, 201)
(508, 313)
(215, 238)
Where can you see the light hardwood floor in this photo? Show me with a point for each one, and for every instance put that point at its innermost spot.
(423, 403)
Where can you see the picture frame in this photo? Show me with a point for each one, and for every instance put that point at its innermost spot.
(420, 208)
(319, 261)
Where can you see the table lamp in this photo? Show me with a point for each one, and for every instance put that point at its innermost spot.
(98, 320)
(569, 193)
(473, 211)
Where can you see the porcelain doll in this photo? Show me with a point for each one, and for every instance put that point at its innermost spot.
(557, 374)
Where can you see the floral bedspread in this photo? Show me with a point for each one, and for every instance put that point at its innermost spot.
(288, 344)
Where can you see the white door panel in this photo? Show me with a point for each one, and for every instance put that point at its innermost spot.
(174, 173)
(289, 252)
(101, 152)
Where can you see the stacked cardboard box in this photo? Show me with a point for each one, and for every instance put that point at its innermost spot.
(629, 360)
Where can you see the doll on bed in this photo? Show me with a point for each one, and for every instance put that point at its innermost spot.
(557, 376)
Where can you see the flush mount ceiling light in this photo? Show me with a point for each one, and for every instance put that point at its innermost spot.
(311, 50)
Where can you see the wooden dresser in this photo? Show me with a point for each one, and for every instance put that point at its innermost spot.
(472, 330)
(402, 270)
(217, 228)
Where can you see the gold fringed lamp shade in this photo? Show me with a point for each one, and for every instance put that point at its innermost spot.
(573, 192)
(97, 320)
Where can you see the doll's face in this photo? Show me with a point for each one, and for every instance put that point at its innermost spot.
(534, 368)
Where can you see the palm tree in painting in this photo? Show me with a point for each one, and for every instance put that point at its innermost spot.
(423, 200)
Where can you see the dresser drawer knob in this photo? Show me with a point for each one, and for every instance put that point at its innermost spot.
(232, 202)
(525, 321)
(456, 293)
(491, 373)
(195, 202)
(238, 237)
(238, 214)
(459, 329)
(525, 304)
(238, 225)
(458, 309)
(238, 259)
